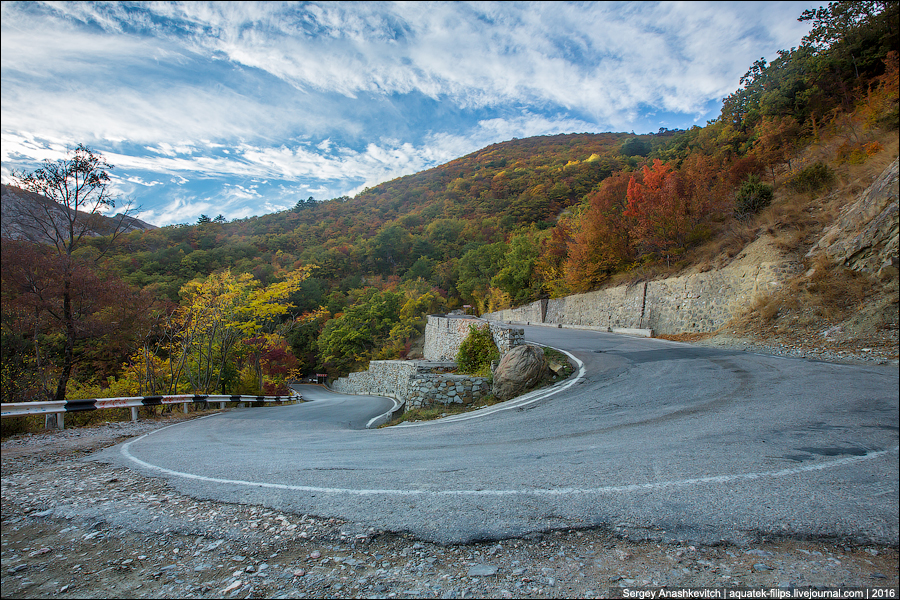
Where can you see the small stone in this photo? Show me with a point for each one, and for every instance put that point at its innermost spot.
(482, 571)
(232, 587)
(315, 554)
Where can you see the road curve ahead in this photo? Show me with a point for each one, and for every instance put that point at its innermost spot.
(658, 439)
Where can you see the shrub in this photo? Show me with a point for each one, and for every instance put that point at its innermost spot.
(752, 197)
(813, 178)
(477, 351)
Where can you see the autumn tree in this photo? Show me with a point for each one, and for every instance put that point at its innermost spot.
(778, 137)
(670, 210)
(79, 189)
(351, 338)
(601, 243)
(517, 276)
(550, 265)
(221, 319)
(477, 267)
(111, 315)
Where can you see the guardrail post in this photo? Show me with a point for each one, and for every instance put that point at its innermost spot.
(185, 407)
(134, 413)
(55, 421)
(221, 405)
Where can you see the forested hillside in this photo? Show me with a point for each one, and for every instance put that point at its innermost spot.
(240, 306)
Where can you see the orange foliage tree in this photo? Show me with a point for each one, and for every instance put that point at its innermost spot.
(670, 210)
(601, 244)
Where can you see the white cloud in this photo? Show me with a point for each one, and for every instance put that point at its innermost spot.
(182, 209)
(140, 181)
(332, 96)
(602, 59)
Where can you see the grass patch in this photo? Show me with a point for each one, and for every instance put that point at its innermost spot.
(558, 358)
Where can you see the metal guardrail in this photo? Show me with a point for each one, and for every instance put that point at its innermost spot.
(60, 407)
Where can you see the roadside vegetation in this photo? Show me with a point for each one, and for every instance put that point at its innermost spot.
(244, 306)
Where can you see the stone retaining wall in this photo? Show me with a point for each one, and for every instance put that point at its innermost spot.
(698, 302)
(435, 388)
(415, 383)
(383, 378)
(445, 334)
(420, 383)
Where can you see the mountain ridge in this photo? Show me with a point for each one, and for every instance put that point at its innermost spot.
(18, 207)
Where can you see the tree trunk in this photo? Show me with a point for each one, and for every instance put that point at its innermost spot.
(69, 352)
(259, 379)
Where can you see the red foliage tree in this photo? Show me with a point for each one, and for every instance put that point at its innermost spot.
(40, 286)
(671, 210)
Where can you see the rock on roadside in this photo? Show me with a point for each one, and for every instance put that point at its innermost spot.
(519, 369)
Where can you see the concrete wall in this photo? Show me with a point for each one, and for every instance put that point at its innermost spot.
(444, 335)
(698, 302)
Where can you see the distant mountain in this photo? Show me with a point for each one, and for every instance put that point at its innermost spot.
(18, 209)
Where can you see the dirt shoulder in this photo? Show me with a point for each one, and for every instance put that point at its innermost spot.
(56, 543)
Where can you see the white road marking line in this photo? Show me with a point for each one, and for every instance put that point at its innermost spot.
(636, 487)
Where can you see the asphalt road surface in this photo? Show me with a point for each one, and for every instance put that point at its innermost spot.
(656, 439)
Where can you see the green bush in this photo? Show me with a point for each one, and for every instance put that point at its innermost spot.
(477, 351)
(752, 197)
(813, 178)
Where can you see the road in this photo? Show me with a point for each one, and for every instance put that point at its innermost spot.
(657, 440)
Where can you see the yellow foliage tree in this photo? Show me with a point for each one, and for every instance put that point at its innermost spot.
(220, 319)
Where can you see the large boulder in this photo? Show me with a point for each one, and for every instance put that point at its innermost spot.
(519, 369)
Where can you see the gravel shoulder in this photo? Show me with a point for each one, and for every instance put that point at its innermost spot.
(59, 540)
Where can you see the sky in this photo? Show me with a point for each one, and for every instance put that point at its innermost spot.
(244, 108)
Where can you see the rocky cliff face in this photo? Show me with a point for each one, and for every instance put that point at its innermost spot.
(865, 237)
(19, 208)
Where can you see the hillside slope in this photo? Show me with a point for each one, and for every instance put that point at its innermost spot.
(19, 207)
(815, 274)
(843, 304)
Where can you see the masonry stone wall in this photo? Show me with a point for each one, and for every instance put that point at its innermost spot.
(383, 378)
(444, 335)
(415, 383)
(699, 302)
(420, 383)
(434, 388)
